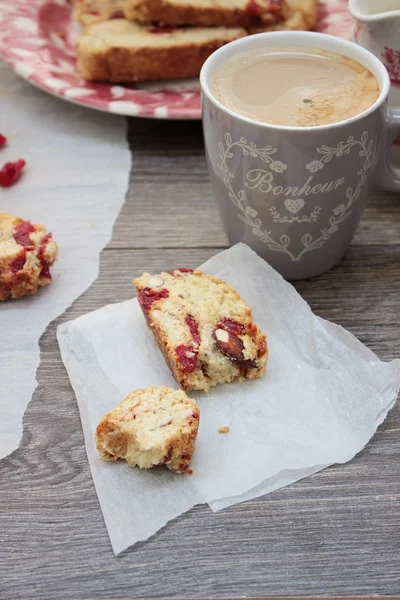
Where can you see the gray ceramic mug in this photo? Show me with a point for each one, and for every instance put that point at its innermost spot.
(296, 194)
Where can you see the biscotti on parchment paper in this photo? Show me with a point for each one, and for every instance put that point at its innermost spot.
(204, 329)
(152, 426)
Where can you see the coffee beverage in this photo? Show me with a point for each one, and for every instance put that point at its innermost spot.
(294, 86)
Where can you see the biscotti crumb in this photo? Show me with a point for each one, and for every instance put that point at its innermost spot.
(152, 426)
(224, 430)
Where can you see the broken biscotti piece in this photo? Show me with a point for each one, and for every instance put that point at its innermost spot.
(206, 13)
(204, 329)
(155, 426)
(121, 51)
(26, 254)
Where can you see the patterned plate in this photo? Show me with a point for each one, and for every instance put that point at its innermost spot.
(37, 40)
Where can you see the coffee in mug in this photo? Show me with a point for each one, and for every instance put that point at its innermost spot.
(294, 189)
(294, 86)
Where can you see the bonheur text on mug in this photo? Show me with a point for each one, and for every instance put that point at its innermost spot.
(294, 86)
(264, 181)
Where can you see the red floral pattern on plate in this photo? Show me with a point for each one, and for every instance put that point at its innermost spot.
(37, 40)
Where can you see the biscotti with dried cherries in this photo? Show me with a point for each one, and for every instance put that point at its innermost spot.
(26, 254)
(203, 327)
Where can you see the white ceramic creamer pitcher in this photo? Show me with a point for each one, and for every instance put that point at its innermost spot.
(377, 29)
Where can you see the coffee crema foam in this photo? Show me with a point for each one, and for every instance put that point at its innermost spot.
(294, 86)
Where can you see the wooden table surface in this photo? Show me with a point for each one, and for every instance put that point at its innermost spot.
(335, 533)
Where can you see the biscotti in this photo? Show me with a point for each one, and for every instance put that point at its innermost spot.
(204, 329)
(26, 254)
(232, 13)
(120, 51)
(153, 426)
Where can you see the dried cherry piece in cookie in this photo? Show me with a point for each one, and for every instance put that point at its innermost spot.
(194, 328)
(147, 296)
(262, 348)
(187, 356)
(11, 172)
(177, 271)
(22, 231)
(45, 267)
(18, 263)
(46, 238)
(166, 29)
(253, 8)
(3, 140)
(117, 14)
(231, 326)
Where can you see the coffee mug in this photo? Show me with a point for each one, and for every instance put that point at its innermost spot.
(296, 194)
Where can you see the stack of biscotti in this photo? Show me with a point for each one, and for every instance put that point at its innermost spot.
(116, 49)
(261, 15)
(171, 39)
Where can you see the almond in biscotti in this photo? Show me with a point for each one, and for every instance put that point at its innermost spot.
(153, 426)
(204, 329)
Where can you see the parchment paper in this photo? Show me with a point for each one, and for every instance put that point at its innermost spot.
(320, 402)
(74, 182)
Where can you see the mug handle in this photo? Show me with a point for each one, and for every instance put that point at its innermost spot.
(387, 177)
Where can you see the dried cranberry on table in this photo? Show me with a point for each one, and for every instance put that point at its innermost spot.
(11, 172)
(3, 140)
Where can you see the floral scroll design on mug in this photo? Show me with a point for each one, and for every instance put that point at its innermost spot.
(278, 218)
(341, 212)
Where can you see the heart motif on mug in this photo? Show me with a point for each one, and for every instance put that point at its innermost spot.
(294, 205)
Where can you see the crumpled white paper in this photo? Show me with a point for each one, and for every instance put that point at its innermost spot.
(74, 183)
(320, 402)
